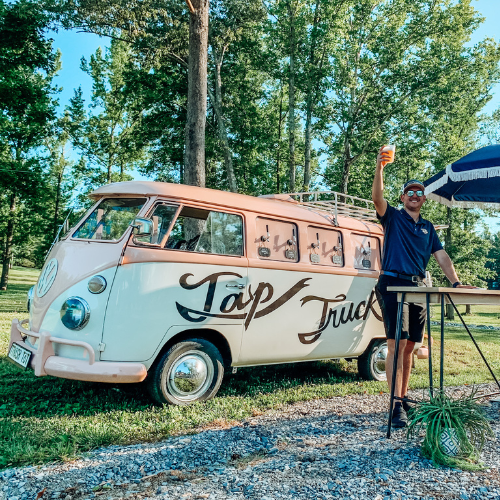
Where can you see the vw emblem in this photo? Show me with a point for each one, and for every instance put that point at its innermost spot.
(47, 278)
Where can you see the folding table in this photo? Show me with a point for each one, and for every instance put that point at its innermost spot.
(437, 295)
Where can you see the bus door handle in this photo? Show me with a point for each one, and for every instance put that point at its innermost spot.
(240, 286)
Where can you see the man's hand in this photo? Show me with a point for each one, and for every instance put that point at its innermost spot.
(382, 158)
(467, 286)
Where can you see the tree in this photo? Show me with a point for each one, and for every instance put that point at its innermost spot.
(194, 156)
(489, 129)
(109, 139)
(61, 178)
(234, 26)
(158, 30)
(494, 259)
(391, 60)
(27, 66)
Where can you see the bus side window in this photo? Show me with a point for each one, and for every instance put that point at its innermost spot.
(204, 231)
(277, 240)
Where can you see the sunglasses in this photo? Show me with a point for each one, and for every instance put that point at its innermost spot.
(410, 192)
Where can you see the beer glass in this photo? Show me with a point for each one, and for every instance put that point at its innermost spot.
(391, 149)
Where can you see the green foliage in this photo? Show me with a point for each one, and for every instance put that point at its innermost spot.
(464, 243)
(493, 263)
(401, 71)
(27, 66)
(439, 413)
(109, 139)
(489, 129)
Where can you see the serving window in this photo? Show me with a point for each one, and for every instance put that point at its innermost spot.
(325, 246)
(276, 240)
(366, 252)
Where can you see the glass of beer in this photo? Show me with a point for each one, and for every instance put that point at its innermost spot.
(391, 149)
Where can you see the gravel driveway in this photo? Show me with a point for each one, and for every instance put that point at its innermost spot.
(322, 449)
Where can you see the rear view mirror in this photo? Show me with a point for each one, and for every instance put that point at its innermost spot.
(142, 227)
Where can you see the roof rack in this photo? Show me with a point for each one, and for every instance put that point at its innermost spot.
(334, 204)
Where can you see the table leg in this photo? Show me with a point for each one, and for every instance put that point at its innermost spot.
(441, 367)
(429, 341)
(399, 325)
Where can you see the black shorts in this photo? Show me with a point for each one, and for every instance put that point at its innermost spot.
(414, 315)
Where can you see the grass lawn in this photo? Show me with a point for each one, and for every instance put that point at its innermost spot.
(480, 315)
(45, 419)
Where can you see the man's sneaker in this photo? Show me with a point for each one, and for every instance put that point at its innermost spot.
(399, 418)
(407, 406)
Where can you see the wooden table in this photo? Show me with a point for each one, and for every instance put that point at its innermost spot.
(437, 295)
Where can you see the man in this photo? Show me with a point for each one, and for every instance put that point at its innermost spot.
(409, 242)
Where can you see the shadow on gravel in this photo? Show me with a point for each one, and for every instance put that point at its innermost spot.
(24, 395)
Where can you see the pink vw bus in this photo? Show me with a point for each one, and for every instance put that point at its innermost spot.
(176, 284)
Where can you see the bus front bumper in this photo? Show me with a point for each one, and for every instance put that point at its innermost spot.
(45, 362)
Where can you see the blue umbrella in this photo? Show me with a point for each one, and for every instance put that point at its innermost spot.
(473, 181)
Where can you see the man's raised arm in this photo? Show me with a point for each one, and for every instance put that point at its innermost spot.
(378, 183)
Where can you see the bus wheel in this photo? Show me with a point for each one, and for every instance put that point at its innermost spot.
(371, 364)
(189, 371)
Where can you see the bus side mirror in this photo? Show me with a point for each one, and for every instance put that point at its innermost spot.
(142, 227)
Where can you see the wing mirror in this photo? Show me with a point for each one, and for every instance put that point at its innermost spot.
(142, 227)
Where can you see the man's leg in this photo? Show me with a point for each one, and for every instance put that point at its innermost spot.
(417, 315)
(390, 307)
(407, 362)
(389, 363)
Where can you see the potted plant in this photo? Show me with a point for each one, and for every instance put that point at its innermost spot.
(455, 429)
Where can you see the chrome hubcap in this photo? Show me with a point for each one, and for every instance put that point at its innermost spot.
(378, 361)
(190, 375)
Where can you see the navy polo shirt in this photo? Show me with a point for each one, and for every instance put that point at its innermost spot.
(408, 245)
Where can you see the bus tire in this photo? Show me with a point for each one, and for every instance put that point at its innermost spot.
(371, 364)
(188, 372)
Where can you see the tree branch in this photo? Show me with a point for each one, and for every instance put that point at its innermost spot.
(190, 7)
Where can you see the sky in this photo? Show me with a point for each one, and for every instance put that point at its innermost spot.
(74, 45)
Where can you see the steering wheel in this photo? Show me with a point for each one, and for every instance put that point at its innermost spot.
(191, 244)
(178, 245)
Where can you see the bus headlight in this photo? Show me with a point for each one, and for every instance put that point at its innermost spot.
(75, 313)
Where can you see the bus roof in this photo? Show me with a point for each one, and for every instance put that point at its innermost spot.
(279, 205)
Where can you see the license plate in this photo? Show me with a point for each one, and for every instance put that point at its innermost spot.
(19, 355)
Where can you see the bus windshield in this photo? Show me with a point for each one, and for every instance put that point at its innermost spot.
(110, 219)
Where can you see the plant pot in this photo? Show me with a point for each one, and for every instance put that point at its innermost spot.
(449, 442)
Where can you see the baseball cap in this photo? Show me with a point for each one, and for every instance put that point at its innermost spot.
(412, 182)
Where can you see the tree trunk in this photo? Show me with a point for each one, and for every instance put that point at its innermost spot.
(278, 156)
(307, 152)
(291, 102)
(221, 127)
(194, 155)
(108, 176)
(468, 309)
(7, 256)
(310, 101)
(450, 312)
(346, 165)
